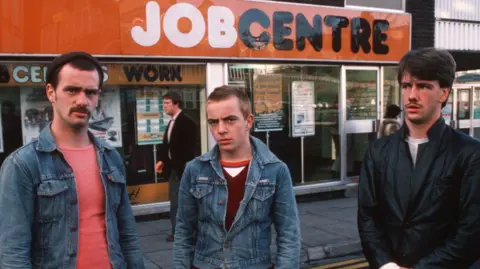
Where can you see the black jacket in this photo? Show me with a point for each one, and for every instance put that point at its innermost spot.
(182, 144)
(427, 216)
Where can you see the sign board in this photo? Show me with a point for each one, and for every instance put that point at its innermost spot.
(152, 121)
(303, 108)
(234, 29)
(268, 103)
(148, 193)
(34, 74)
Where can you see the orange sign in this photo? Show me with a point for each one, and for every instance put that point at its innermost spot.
(34, 74)
(203, 29)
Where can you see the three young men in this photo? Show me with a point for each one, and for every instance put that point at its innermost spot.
(233, 194)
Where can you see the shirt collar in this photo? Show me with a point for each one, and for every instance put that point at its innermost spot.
(176, 115)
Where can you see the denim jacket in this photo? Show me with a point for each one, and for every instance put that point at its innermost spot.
(39, 208)
(268, 199)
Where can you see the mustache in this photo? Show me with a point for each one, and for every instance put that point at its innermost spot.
(413, 104)
(80, 109)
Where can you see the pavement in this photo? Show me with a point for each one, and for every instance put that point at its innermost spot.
(328, 229)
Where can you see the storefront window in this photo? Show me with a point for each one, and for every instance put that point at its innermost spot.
(284, 107)
(11, 121)
(129, 115)
(391, 87)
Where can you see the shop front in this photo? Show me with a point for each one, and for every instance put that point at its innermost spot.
(319, 78)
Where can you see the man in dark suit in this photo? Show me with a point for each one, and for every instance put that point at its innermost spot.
(178, 148)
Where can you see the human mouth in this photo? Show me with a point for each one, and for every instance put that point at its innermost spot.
(413, 108)
(224, 141)
(80, 112)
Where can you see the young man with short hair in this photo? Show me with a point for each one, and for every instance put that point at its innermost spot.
(233, 195)
(419, 190)
(63, 197)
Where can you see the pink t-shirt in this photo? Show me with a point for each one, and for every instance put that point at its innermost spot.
(92, 237)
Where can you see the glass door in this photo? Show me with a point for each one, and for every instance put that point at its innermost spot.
(361, 110)
(448, 111)
(464, 109)
(476, 112)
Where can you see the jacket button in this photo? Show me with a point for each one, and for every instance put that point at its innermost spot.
(404, 255)
(226, 245)
(221, 202)
(74, 228)
(73, 202)
(73, 254)
(407, 225)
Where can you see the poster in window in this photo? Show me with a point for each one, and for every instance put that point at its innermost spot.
(36, 112)
(303, 108)
(152, 121)
(1, 132)
(104, 123)
(106, 119)
(267, 103)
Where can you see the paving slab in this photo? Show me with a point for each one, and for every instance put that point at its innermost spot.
(328, 229)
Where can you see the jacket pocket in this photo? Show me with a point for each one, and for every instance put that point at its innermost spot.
(202, 193)
(261, 202)
(51, 200)
(201, 190)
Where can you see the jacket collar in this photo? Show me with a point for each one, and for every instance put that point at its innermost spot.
(260, 153)
(47, 143)
(434, 134)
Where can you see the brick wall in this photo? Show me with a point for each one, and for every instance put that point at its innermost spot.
(423, 22)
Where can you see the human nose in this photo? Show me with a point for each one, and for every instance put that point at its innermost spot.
(413, 93)
(81, 99)
(222, 128)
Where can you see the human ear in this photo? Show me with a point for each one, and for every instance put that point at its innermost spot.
(50, 90)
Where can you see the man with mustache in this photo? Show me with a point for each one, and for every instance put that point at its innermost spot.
(419, 190)
(63, 198)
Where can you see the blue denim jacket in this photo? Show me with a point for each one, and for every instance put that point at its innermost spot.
(268, 199)
(39, 208)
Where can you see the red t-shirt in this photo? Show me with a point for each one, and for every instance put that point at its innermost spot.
(92, 235)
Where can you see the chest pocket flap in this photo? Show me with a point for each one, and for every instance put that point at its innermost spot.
(52, 187)
(116, 177)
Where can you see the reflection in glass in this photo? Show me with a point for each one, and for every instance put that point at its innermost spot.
(463, 104)
(391, 88)
(447, 110)
(361, 94)
(269, 88)
(11, 123)
(476, 103)
(361, 105)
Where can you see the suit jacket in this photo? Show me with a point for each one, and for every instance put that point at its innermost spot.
(182, 144)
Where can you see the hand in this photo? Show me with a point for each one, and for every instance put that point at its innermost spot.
(159, 167)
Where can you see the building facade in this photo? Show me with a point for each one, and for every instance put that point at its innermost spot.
(457, 29)
(320, 75)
